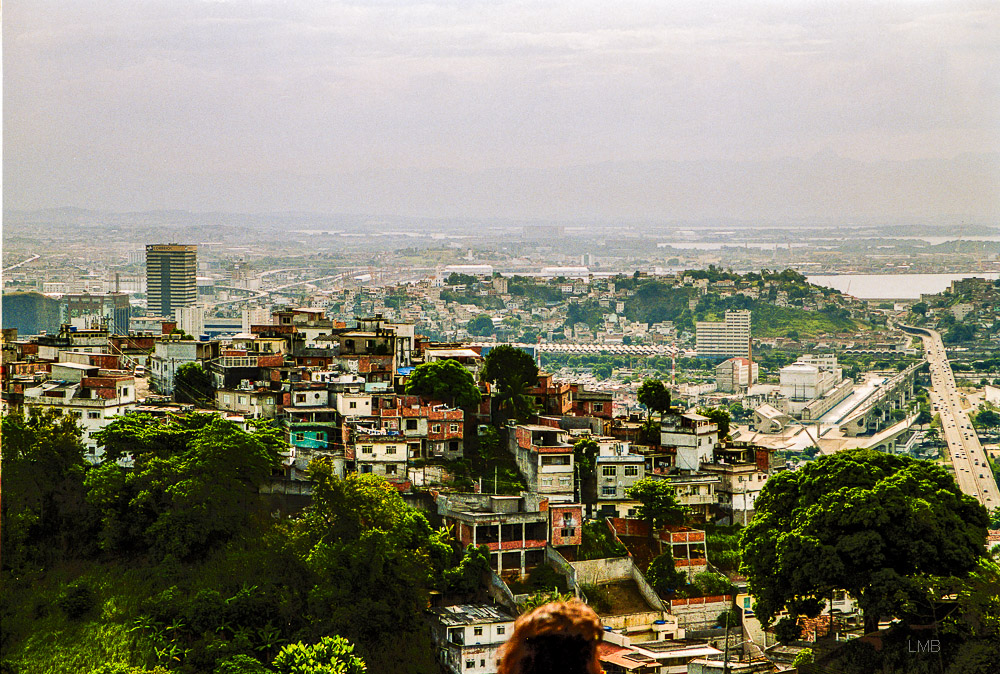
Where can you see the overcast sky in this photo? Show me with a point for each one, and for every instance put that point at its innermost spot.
(660, 110)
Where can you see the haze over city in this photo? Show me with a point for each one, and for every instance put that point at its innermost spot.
(659, 111)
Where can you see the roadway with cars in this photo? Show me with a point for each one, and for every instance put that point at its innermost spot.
(972, 471)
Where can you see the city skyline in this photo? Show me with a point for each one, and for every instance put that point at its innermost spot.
(670, 111)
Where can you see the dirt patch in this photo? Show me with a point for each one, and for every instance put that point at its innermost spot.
(623, 597)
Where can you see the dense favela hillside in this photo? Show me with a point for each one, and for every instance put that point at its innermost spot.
(313, 496)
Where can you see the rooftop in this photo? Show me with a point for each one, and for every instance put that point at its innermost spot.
(470, 614)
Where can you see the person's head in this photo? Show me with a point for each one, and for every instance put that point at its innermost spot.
(560, 638)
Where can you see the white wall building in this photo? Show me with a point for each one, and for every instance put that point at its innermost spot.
(94, 396)
(469, 636)
(730, 337)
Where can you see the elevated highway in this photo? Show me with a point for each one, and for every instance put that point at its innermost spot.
(874, 412)
(972, 470)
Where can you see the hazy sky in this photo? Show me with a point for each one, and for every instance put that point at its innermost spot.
(655, 110)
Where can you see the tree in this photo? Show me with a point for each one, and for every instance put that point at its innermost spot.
(43, 488)
(787, 630)
(513, 372)
(598, 542)
(658, 503)
(987, 419)
(655, 396)
(920, 308)
(193, 485)
(371, 555)
(480, 326)
(444, 380)
(602, 371)
(193, 385)
(332, 655)
(663, 575)
(712, 584)
(719, 416)
(860, 521)
(467, 577)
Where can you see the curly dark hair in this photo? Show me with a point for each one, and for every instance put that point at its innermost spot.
(558, 637)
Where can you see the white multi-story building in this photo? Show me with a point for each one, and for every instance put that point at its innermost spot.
(92, 395)
(383, 455)
(468, 637)
(804, 381)
(693, 436)
(729, 338)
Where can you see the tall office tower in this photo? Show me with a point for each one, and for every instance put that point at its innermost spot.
(730, 338)
(171, 280)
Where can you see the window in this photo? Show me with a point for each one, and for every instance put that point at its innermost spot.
(546, 481)
(568, 533)
(352, 405)
(453, 446)
(609, 491)
(366, 469)
(564, 481)
(469, 664)
(299, 437)
(609, 471)
(631, 471)
(598, 407)
(501, 629)
(93, 415)
(478, 631)
(300, 397)
(390, 449)
(242, 400)
(482, 662)
(454, 428)
(366, 449)
(411, 424)
(321, 435)
(390, 469)
(436, 428)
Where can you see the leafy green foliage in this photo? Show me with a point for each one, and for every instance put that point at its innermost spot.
(467, 577)
(655, 396)
(598, 597)
(480, 325)
(719, 416)
(193, 385)
(712, 584)
(444, 380)
(43, 491)
(727, 618)
(663, 575)
(513, 372)
(803, 657)
(77, 600)
(861, 521)
(189, 490)
(658, 502)
(543, 598)
(598, 543)
(585, 453)
(787, 630)
(331, 655)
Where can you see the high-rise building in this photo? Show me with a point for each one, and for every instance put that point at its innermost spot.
(171, 280)
(729, 338)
